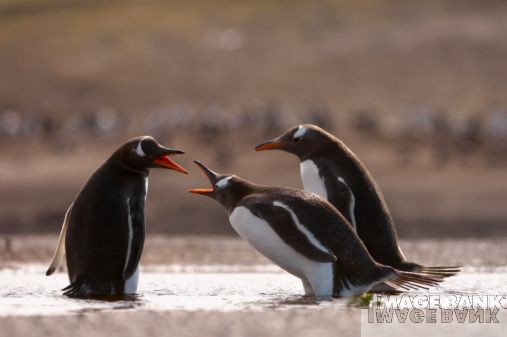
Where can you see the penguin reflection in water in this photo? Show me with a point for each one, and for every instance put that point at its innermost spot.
(306, 236)
(102, 236)
(330, 169)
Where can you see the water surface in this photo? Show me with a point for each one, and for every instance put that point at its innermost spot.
(25, 290)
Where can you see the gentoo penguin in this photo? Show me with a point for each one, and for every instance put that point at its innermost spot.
(330, 169)
(103, 231)
(306, 236)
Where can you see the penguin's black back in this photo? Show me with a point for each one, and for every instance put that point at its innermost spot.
(353, 261)
(97, 238)
(373, 220)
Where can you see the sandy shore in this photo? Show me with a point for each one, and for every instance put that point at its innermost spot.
(212, 250)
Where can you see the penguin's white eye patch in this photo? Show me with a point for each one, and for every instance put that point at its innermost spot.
(139, 150)
(223, 182)
(301, 131)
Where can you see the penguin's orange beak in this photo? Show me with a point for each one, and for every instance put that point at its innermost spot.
(165, 161)
(273, 144)
(201, 190)
(212, 177)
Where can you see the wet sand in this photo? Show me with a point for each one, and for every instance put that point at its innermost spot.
(189, 323)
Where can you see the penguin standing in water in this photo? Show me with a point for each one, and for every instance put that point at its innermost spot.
(330, 169)
(306, 236)
(102, 236)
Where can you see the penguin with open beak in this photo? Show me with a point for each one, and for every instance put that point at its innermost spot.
(102, 236)
(306, 236)
(329, 168)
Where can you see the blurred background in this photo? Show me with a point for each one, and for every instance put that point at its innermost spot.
(417, 89)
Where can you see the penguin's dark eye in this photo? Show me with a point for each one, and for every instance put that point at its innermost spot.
(298, 139)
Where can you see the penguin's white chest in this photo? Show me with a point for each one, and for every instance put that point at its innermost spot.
(259, 234)
(132, 282)
(312, 181)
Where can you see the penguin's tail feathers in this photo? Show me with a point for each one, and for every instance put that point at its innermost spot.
(436, 271)
(440, 271)
(78, 289)
(407, 281)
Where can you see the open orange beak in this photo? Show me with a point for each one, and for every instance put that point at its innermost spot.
(165, 161)
(269, 145)
(201, 190)
(212, 177)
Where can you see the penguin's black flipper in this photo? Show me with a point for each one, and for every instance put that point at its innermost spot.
(340, 195)
(283, 224)
(59, 255)
(77, 289)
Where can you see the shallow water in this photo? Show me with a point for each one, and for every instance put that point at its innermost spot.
(26, 291)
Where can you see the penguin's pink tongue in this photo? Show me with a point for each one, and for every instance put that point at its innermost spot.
(165, 161)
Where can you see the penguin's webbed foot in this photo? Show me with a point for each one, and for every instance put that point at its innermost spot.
(77, 290)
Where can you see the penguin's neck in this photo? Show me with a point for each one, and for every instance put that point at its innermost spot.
(342, 162)
(144, 173)
(325, 149)
(231, 199)
(336, 155)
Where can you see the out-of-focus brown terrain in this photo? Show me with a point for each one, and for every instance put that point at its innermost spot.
(417, 89)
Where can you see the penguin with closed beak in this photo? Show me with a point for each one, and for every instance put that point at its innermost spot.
(102, 236)
(329, 168)
(306, 236)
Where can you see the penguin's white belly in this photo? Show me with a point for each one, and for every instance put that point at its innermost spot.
(259, 234)
(312, 181)
(132, 282)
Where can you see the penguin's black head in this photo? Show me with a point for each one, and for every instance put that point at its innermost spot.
(227, 189)
(143, 153)
(303, 141)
